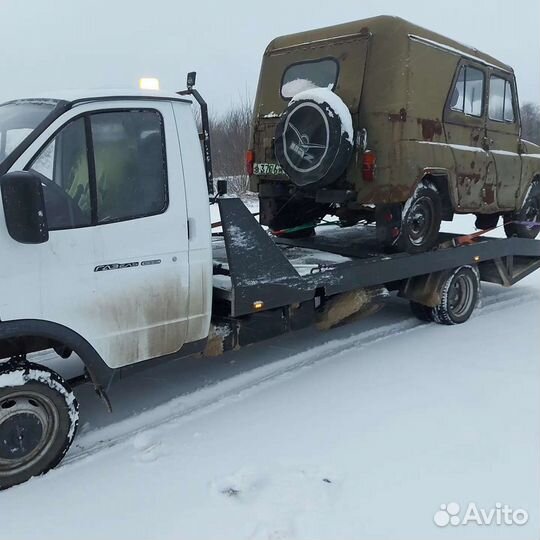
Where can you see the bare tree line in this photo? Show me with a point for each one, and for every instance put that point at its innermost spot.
(230, 140)
(530, 120)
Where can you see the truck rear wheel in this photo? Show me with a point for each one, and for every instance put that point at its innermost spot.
(529, 213)
(459, 296)
(38, 420)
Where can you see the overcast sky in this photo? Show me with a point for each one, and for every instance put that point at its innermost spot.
(64, 44)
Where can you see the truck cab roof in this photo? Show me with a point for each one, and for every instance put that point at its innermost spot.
(77, 96)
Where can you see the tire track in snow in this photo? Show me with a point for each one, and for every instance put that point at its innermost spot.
(218, 394)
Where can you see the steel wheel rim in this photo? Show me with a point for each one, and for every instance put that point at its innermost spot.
(460, 295)
(532, 210)
(22, 447)
(420, 220)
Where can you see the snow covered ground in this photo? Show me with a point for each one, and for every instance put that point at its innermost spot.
(359, 432)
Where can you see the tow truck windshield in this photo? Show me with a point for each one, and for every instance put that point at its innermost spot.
(18, 119)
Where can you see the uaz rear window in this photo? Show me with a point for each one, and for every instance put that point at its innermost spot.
(307, 75)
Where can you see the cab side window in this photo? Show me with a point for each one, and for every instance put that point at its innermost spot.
(129, 159)
(103, 168)
(63, 167)
(468, 93)
(501, 102)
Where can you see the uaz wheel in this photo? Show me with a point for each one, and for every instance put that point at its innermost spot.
(515, 224)
(38, 420)
(421, 220)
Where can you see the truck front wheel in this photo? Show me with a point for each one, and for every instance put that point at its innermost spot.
(38, 420)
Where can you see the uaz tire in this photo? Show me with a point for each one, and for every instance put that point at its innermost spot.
(529, 212)
(421, 220)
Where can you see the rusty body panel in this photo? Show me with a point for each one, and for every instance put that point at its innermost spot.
(397, 80)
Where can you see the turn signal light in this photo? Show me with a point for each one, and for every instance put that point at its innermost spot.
(369, 162)
(250, 162)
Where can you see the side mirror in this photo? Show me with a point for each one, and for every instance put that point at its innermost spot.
(190, 79)
(24, 207)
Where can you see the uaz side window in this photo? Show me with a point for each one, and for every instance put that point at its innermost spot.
(501, 106)
(307, 75)
(468, 94)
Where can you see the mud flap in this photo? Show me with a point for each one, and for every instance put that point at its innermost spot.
(425, 290)
(343, 307)
(388, 221)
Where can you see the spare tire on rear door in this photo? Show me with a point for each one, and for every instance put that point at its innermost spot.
(314, 138)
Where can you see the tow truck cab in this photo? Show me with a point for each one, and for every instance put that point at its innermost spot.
(105, 226)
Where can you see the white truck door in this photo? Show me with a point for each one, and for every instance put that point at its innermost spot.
(116, 266)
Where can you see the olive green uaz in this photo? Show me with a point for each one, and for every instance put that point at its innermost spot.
(384, 121)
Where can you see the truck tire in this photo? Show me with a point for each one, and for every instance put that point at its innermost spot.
(459, 296)
(38, 420)
(314, 138)
(421, 220)
(529, 212)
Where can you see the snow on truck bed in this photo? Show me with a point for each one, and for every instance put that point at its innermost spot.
(304, 260)
(359, 432)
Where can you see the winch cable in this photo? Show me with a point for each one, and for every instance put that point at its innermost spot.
(463, 240)
(311, 225)
(468, 239)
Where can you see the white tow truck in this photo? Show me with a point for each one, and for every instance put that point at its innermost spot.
(107, 253)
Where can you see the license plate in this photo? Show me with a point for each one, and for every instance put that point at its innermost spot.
(267, 168)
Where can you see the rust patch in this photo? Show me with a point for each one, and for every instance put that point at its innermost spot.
(489, 194)
(398, 117)
(468, 178)
(430, 128)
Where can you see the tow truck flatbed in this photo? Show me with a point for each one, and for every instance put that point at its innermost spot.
(278, 272)
(266, 286)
